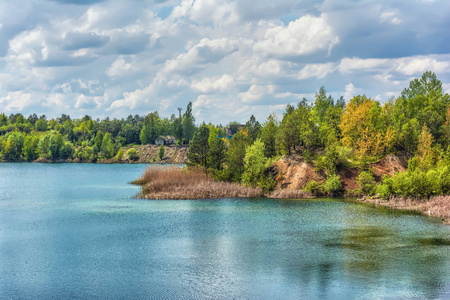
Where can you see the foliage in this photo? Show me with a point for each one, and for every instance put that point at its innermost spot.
(269, 131)
(235, 155)
(366, 182)
(187, 123)
(199, 148)
(363, 128)
(161, 152)
(119, 155)
(216, 154)
(132, 154)
(333, 185)
(254, 164)
(313, 187)
(107, 148)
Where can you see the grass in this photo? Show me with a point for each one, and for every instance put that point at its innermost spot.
(437, 206)
(176, 183)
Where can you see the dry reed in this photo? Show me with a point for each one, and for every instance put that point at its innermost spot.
(176, 183)
(437, 206)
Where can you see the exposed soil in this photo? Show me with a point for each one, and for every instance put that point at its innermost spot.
(293, 173)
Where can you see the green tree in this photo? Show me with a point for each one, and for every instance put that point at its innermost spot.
(30, 148)
(13, 144)
(288, 133)
(235, 155)
(98, 141)
(188, 125)
(254, 163)
(216, 154)
(199, 148)
(107, 148)
(41, 125)
(268, 136)
(55, 144)
(150, 130)
(161, 152)
(253, 128)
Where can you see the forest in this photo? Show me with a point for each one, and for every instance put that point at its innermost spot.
(332, 134)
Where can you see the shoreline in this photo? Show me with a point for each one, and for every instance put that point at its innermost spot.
(436, 207)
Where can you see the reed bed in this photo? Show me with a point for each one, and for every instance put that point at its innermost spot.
(437, 206)
(176, 183)
(290, 194)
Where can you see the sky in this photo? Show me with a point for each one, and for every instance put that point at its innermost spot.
(231, 59)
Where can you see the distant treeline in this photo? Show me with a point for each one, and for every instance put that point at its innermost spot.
(85, 139)
(333, 134)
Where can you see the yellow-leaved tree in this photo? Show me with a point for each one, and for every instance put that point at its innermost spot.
(424, 150)
(364, 128)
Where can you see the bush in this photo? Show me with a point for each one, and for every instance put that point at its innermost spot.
(161, 152)
(333, 185)
(119, 155)
(417, 182)
(313, 187)
(267, 182)
(365, 180)
(132, 154)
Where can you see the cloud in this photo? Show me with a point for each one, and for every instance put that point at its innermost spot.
(316, 70)
(205, 52)
(256, 93)
(214, 85)
(78, 40)
(232, 58)
(390, 17)
(305, 35)
(417, 65)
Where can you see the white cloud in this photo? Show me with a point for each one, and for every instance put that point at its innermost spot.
(306, 35)
(348, 65)
(316, 70)
(16, 101)
(120, 67)
(206, 51)
(256, 93)
(418, 65)
(390, 17)
(214, 85)
(216, 11)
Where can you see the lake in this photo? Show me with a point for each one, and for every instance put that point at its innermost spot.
(75, 231)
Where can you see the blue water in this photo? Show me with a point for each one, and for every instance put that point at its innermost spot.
(75, 231)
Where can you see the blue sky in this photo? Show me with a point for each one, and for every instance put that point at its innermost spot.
(232, 59)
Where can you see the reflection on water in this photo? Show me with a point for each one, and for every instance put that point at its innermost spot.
(74, 231)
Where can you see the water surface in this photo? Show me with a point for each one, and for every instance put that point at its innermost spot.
(75, 231)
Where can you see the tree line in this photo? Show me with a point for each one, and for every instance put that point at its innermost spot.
(336, 135)
(85, 139)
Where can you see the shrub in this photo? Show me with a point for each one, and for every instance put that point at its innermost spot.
(313, 187)
(365, 180)
(161, 152)
(132, 154)
(333, 185)
(119, 155)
